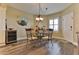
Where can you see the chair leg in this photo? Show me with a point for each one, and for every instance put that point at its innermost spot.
(31, 36)
(50, 38)
(27, 41)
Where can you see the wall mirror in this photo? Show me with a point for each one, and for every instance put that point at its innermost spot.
(22, 20)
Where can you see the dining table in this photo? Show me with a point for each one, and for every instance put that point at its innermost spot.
(40, 40)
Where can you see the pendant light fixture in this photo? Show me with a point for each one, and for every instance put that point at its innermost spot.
(39, 18)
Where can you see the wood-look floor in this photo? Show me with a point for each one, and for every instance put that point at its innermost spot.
(56, 47)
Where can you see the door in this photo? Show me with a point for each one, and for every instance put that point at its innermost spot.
(68, 26)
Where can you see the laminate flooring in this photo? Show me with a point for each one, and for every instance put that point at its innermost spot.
(54, 47)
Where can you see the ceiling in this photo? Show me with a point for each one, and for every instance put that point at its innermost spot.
(33, 8)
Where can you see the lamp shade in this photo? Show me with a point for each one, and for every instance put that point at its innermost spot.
(39, 19)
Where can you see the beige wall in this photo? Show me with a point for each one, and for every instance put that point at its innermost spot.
(12, 17)
(75, 9)
(76, 21)
(2, 24)
(52, 16)
(72, 8)
(12, 14)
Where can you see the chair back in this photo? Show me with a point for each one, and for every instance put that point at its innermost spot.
(29, 30)
(29, 33)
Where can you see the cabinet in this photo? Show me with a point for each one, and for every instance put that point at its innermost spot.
(11, 36)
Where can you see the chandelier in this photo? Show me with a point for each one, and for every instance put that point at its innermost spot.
(39, 18)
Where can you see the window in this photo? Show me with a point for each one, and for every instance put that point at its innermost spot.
(53, 24)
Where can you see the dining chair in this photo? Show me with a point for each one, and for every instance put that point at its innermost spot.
(50, 33)
(28, 35)
(31, 39)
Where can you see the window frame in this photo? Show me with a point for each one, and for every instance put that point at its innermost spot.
(54, 24)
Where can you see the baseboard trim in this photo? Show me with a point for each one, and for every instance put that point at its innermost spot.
(2, 44)
(58, 37)
(74, 43)
(21, 38)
